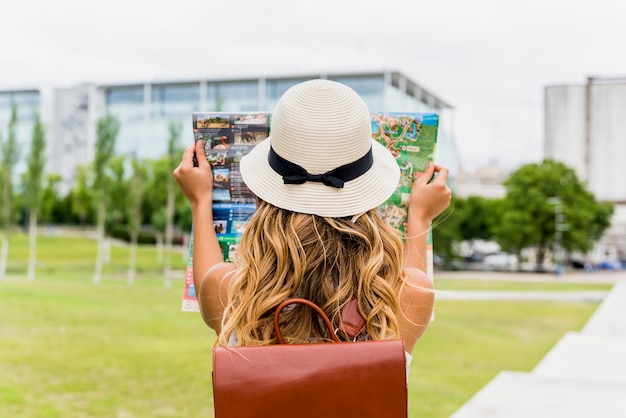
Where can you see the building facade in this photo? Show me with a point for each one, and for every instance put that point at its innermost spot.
(145, 111)
(487, 182)
(28, 104)
(585, 128)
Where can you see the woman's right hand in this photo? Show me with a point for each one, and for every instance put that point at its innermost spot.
(195, 182)
(429, 198)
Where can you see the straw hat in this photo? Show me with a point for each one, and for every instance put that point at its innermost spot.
(320, 157)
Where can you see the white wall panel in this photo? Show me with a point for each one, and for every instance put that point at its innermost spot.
(565, 127)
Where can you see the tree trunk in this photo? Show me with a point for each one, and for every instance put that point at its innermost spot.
(97, 274)
(32, 245)
(106, 245)
(169, 232)
(541, 255)
(184, 250)
(4, 254)
(132, 262)
(159, 245)
(6, 211)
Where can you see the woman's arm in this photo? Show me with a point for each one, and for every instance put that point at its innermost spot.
(417, 300)
(197, 185)
(427, 200)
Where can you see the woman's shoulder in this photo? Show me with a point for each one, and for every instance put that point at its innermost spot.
(416, 306)
(417, 294)
(220, 270)
(416, 278)
(213, 294)
(217, 278)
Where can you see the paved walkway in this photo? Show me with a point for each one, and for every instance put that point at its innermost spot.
(584, 375)
(523, 295)
(576, 276)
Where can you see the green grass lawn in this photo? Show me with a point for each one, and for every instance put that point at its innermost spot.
(71, 349)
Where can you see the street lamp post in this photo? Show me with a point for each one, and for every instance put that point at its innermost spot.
(559, 226)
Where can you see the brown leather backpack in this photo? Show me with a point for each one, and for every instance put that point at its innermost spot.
(338, 379)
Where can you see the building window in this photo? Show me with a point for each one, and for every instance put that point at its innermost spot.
(275, 89)
(125, 103)
(27, 105)
(370, 88)
(174, 100)
(240, 96)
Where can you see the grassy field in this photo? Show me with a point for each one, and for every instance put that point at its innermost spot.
(71, 349)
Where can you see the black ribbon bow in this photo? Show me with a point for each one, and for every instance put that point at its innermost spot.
(295, 174)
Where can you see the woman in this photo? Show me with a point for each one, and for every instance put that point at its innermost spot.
(316, 233)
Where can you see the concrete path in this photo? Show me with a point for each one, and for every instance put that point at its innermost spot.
(576, 276)
(584, 375)
(522, 295)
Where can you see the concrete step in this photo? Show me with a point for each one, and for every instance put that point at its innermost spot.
(525, 395)
(582, 356)
(610, 317)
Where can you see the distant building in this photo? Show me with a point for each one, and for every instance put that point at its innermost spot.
(145, 111)
(585, 128)
(485, 182)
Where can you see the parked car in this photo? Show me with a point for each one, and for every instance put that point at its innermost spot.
(609, 265)
(500, 261)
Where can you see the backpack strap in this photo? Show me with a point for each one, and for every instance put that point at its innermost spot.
(352, 322)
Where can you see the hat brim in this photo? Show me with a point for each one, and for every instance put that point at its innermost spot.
(357, 196)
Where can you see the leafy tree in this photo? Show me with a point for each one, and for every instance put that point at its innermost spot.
(155, 200)
(119, 187)
(445, 232)
(173, 156)
(183, 214)
(81, 196)
(476, 215)
(34, 174)
(50, 198)
(10, 155)
(466, 219)
(527, 214)
(106, 133)
(137, 185)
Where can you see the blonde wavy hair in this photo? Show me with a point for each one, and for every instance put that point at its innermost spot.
(328, 261)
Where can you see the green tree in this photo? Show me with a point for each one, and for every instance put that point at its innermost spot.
(173, 157)
(50, 198)
(107, 129)
(81, 196)
(527, 213)
(466, 219)
(138, 181)
(476, 218)
(155, 200)
(33, 183)
(445, 233)
(119, 187)
(10, 155)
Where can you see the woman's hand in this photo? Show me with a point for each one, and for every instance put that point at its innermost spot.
(195, 182)
(429, 198)
(197, 185)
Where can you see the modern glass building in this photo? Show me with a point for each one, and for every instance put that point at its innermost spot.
(146, 110)
(27, 104)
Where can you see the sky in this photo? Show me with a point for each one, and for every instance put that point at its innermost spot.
(489, 59)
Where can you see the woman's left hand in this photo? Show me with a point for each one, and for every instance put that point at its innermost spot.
(195, 182)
